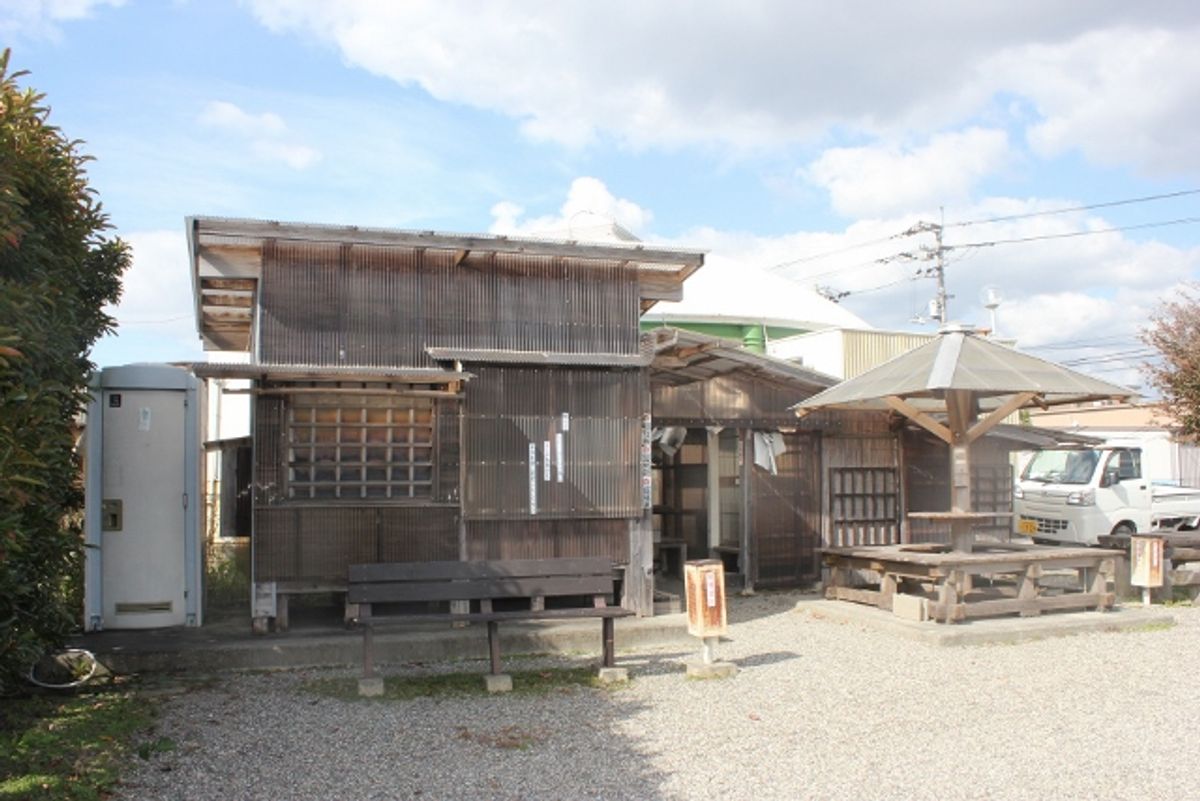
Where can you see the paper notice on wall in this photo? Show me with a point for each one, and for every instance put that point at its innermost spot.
(566, 421)
(560, 462)
(532, 478)
(545, 460)
(144, 418)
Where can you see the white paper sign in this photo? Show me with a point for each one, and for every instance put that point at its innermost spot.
(546, 460)
(560, 463)
(532, 479)
(566, 421)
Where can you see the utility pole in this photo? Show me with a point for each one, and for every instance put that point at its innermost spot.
(937, 254)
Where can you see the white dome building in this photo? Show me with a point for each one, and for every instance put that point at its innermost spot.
(750, 305)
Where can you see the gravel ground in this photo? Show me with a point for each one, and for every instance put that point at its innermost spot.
(818, 710)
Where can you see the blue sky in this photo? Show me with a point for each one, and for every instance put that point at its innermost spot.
(772, 134)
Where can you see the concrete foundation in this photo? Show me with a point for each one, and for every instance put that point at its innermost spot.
(498, 683)
(711, 670)
(612, 675)
(370, 688)
(983, 631)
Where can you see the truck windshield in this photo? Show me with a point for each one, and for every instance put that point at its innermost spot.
(1062, 466)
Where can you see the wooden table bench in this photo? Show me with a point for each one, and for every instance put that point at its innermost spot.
(952, 573)
(473, 590)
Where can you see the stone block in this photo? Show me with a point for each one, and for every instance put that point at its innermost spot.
(498, 683)
(370, 687)
(910, 607)
(711, 670)
(613, 675)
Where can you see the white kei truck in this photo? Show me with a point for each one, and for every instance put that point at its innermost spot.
(1074, 495)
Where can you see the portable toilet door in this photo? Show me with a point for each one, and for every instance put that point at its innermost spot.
(144, 558)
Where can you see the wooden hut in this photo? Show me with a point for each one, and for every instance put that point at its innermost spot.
(421, 396)
(751, 483)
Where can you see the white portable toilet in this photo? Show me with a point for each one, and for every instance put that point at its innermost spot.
(144, 554)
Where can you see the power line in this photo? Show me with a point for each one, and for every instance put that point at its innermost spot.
(1071, 234)
(835, 252)
(1050, 212)
(1091, 342)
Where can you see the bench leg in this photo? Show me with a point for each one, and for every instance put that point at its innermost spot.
(368, 652)
(494, 645)
(606, 627)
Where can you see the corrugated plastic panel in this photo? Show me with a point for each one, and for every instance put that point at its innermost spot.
(553, 443)
(785, 511)
(546, 539)
(734, 400)
(372, 305)
(318, 544)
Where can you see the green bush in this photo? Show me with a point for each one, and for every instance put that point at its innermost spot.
(57, 271)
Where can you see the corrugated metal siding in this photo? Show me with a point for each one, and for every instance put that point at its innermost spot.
(317, 544)
(734, 400)
(864, 350)
(785, 511)
(509, 410)
(545, 539)
(328, 304)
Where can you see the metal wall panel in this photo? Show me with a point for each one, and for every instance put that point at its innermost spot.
(589, 424)
(369, 305)
(864, 350)
(545, 539)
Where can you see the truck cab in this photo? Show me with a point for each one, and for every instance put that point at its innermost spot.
(1075, 495)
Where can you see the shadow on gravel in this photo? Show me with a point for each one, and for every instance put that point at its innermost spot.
(758, 660)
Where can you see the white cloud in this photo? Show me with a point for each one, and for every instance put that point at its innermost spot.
(775, 72)
(588, 212)
(266, 133)
(228, 117)
(1117, 95)
(40, 19)
(876, 180)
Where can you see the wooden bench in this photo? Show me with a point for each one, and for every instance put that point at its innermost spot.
(474, 590)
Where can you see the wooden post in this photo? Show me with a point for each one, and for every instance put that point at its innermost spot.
(713, 493)
(638, 590)
(745, 551)
(960, 497)
(368, 641)
(606, 629)
(494, 645)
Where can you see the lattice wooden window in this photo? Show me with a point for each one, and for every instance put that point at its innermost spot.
(360, 447)
(864, 495)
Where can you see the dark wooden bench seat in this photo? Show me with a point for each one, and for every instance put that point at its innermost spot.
(524, 582)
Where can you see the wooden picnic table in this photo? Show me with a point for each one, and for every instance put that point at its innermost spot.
(990, 579)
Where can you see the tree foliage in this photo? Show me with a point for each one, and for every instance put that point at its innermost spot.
(58, 269)
(1174, 331)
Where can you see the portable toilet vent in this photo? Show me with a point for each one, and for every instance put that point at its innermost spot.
(144, 556)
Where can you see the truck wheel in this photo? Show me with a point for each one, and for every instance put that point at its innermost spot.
(1123, 530)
